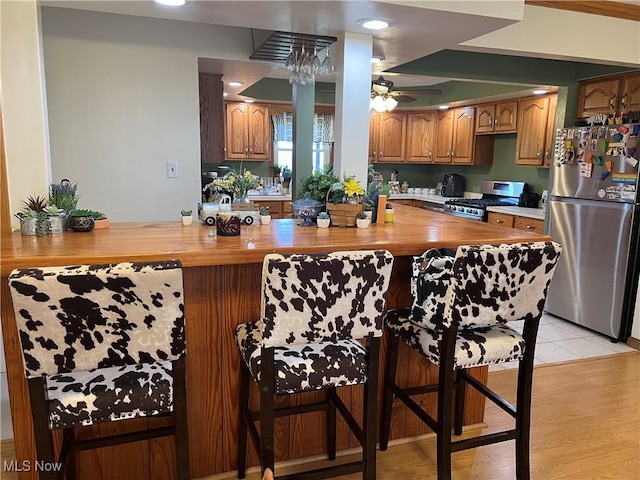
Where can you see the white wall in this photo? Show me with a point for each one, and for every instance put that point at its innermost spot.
(123, 100)
(635, 329)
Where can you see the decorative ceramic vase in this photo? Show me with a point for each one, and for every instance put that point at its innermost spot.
(187, 219)
(265, 219)
(81, 224)
(228, 224)
(323, 222)
(362, 222)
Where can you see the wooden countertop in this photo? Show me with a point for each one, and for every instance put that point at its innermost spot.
(414, 231)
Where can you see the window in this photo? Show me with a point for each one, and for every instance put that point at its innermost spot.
(283, 140)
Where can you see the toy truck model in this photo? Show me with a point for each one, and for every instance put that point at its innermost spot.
(207, 212)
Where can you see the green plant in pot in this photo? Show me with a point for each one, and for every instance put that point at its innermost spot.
(57, 218)
(318, 184)
(84, 220)
(33, 217)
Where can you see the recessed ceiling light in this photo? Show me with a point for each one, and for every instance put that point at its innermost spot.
(171, 3)
(374, 23)
(539, 92)
(248, 101)
(443, 107)
(235, 84)
(225, 94)
(376, 59)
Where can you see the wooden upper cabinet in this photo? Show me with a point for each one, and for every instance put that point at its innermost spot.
(444, 136)
(421, 131)
(615, 95)
(630, 94)
(387, 137)
(497, 117)
(597, 97)
(248, 132)
(463, 135)
(551, 121)
(534, 121)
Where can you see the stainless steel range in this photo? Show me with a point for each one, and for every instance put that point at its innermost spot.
(494, 194)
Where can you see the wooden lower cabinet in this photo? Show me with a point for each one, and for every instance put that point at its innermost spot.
(515, 221)
(277, 208)
(407, 201)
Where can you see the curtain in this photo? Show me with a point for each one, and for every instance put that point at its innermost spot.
(322, 127)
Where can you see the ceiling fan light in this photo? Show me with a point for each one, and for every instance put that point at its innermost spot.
(378, 104)
(390, 103)
(374, 23)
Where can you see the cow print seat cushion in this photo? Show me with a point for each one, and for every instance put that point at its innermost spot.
(109, 394)
(475, 346)
(304, 367)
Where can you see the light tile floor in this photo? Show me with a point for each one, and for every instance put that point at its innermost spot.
(560, 341)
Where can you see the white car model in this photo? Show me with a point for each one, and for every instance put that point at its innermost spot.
(207, 211)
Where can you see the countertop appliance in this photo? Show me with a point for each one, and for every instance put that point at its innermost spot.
(494, 194)
(453, 185)
(593, 213)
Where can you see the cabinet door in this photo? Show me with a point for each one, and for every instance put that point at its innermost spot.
(485, 115)
(630, 95)
(597, 97)
(420, 137)
(374, 119)
(463, 135)
(237, 133)
(532, 122)
(444, 136)
(506, 117)
(259, 132)
(551, 123)
(391, 137)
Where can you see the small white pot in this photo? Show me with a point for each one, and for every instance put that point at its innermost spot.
(323, 222)
(265, 219)
(362, 222)
(187, 220)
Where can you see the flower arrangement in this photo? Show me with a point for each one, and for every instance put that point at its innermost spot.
(317, 184)
(64, 195)
(348, 191)
(236, 184)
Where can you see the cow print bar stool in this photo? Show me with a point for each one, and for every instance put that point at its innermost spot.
(459, 319)
(314, 309)
(102, 343)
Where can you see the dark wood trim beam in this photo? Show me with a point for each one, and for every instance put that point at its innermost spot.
(624, 11)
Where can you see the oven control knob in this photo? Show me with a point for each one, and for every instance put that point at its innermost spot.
(469, 210)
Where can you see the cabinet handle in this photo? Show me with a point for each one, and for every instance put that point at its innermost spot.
(373, 154)
(612, 102)
(547, 155)
(453, 153)
(529, 227)
(429, 154)
(499, 221)
(380, 154)
(491, 121)
(539, 154)
(246, 150)
(623, 102)
(497, 122)
(250, 149)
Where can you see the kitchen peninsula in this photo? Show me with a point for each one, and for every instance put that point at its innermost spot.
(222, 285)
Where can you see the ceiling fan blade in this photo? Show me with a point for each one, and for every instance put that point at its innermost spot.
(403, 98)
(424, 91)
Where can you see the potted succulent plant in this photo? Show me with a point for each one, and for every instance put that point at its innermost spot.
(265, 216)
(186, 216)
(81, 220)
(323, 220)
(64, 196)
(362, 220)
(33, 217)
(57, 218)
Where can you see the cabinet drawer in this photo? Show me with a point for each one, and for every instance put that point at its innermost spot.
(500, 219)
(531, 224)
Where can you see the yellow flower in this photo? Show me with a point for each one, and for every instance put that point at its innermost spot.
(352, 188)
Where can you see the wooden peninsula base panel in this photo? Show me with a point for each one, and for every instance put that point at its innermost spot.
(222, 290)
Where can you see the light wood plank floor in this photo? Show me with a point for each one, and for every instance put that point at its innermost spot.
(585, 426)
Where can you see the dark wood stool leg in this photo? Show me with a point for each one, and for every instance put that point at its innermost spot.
(371, 409)
(331, 424)
(390, 379)
(242, 426)
(445, 396)
(68, 454)
(523, 401)
(43, 436)
(267, 380)
(459, 413)
(180, 419)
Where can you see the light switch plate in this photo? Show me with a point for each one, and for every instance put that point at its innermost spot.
(172, 169)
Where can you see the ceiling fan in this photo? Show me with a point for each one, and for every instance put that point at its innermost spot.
(383, 87)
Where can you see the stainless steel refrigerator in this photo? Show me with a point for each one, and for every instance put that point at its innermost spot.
(593, 212)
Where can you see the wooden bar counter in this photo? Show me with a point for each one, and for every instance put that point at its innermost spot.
(222, 289)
